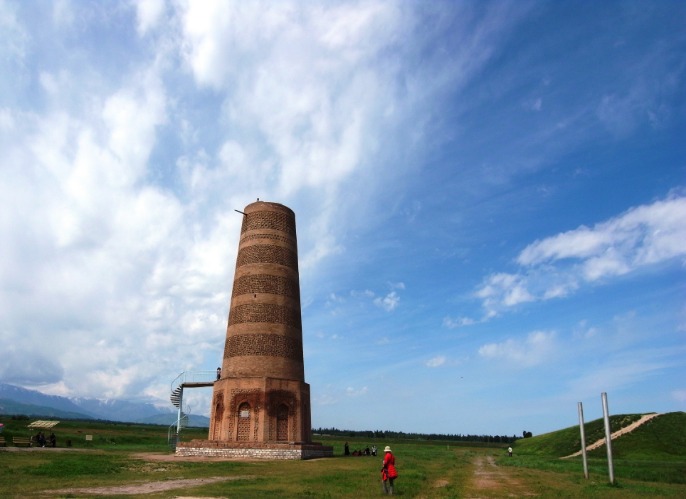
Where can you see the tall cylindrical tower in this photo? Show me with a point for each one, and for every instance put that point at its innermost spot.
(264, 334)
(261, 395)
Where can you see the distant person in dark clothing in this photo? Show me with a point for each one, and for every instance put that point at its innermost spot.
(219, 372)
(346, 448)
(53, 440)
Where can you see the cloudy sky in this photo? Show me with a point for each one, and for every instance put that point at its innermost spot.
(490, 199)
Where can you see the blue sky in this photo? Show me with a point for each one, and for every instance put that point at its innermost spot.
(490, 199)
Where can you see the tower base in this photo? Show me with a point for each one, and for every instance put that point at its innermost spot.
(254, 450)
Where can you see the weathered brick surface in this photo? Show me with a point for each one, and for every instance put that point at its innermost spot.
(272, 216)
(263, 283)
(275, 238)
(265, 345)
(262, 253)
(270, 313)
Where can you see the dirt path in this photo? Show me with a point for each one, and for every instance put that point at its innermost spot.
(153, 486)
(487, 474)
(491, 480)
(627, 429)
(170, 458)
(144, 488)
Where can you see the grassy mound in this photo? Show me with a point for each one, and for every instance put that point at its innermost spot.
(567, 441)
(662, 438)
(653, 452)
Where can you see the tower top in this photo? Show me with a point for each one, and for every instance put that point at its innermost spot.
(262, 205)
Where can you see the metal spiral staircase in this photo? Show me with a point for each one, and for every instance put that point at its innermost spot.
(187, 379)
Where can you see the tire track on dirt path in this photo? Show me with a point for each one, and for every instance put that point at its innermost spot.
(614, 435)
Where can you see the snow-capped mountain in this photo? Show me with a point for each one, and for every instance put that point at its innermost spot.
(110, 410)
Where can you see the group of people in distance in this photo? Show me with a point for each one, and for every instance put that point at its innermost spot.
(388, 470)
(366, 452)
(41, 441)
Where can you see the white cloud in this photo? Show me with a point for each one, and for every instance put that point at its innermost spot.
(354, 392)
(451, 323)
(131, 116)
(584, 331)
(643, 235)
(557, 266)
(437, 361)
(63, 12)
(15, 38)
(389, 302)
(148, 13)
(579, 243)
(508, 289)
(537, 348)
(307, 94)
(133, 244)
(118, 258)
(6, 119)
(342, 35)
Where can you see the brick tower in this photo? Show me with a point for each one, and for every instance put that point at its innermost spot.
(262, 395)
(261, 403)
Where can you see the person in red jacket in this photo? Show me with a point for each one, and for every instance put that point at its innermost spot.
(388, 471)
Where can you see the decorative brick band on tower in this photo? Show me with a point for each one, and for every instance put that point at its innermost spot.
(261, 403)
(264, 335)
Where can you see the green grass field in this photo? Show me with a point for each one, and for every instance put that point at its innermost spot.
(648, 463)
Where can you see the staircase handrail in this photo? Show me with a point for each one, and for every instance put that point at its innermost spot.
(183, 422)
(193, 377)
(174, 431)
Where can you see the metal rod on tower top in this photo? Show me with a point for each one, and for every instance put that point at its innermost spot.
(583, 439)
(608, 438)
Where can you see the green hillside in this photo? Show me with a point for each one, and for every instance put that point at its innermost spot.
(660, 438)
(9, 407)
